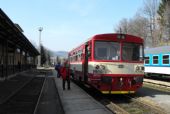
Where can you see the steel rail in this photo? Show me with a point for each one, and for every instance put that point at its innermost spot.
(158, 84)
(147, 104)
(16, 91)
(38, 101)
(115, 108)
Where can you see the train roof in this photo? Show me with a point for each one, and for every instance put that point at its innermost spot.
(158, 50)
(113, 36)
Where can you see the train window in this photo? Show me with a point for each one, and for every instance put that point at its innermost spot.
(102, 52)
(166, 59)
(105, 50)
(76, 57)
(132, 52)
(146, 60)
(79, 57)
(155, 59)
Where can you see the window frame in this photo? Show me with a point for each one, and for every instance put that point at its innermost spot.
(163, 59)
(148, 60)
(140, 46)
(153, 59)
(94, 52)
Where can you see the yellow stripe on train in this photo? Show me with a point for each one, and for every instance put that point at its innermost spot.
(117, 92)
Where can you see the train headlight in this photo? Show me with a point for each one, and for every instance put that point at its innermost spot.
(142, 68)
(120, 36)
(139, 68)
(97, 67)
(121, 79)
(103, 67)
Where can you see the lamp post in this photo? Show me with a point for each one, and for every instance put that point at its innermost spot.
(39, 60)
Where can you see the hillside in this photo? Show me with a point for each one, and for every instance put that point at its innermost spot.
(61, 53)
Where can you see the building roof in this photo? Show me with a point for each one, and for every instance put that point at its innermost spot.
(158, 50)
(14, 35)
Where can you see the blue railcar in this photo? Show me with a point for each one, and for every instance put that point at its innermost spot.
(157, 60)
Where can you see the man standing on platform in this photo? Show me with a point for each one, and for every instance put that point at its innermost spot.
(65, 72)
(57, 68)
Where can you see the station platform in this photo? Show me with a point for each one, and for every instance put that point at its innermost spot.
(157, 82)
(77, 101)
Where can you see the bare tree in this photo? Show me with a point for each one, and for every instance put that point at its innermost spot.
(122, 26)
(46, 55)
(167, 20)
(150, 12)
(143, 24)
(136, 26)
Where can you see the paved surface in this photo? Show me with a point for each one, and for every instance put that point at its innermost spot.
(50, 101)
(11, 86)
(76, 101)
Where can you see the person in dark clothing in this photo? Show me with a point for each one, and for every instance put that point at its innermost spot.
(65, 73)
(57, 68)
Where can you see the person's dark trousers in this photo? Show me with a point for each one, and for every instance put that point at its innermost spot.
(58, 73)
(64, 81)
(68, 84)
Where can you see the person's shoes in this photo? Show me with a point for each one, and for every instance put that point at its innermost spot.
(69, 88)
(63, 88)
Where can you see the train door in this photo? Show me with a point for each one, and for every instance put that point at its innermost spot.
(85, 65)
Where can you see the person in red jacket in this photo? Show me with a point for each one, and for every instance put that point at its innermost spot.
(65, 75)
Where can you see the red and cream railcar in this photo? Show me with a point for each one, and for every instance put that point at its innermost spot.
(112, 63)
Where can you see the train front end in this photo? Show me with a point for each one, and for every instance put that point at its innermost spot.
(117, 64)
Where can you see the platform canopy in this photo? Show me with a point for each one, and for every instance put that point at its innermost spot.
(12, 33)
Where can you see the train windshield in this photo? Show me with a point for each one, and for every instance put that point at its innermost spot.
(105, 50)
(132, 52)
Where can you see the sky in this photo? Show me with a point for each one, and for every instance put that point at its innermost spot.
(68, 23)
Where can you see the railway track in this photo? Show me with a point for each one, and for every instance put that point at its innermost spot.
(143, 106)
(125, 104)
(25, 101)
(158, 78)
(160, 85)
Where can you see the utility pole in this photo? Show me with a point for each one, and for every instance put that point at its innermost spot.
(39, 57)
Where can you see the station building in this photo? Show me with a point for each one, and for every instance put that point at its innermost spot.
(17, 54)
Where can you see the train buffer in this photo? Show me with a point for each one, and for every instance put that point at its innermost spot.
(77, 101)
